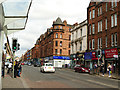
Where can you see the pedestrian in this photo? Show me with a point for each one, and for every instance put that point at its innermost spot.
(3, 69)
(15, 69)
(19, 69)
(109, 69)
(102, 67)
(95, 67)
(9, 67)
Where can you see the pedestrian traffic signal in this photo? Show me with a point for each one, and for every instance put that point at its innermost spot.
(14, 44)
(98, 53)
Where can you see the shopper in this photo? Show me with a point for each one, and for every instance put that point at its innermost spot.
(9, 67)
(15, 69)
(19, 69)
(109, 69)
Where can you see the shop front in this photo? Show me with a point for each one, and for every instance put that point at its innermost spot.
(88, 59)
(111, 56)
(80, 58)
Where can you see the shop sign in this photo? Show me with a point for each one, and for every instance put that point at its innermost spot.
(110, 53)
(88, 55)
(61, 57)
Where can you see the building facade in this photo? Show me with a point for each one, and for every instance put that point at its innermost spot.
(54, 44)
(103, 33)
(79, 42)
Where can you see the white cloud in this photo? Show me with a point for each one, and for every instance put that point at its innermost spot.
(43, 13)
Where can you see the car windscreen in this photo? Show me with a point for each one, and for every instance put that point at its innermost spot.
(49, 65)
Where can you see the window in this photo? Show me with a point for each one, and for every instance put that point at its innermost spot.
(106, 41)
(90, 30)
(72, 36)
(112, 40)
(60, 51)
(81, 32)
(69, 44)
(90, 14)
(99, 26)
(60, 43)
(89, 45)
(99, 11)
(61, 35)
(56, 35)
(114, 3)
(93, 28)
(115, 39)
(56, 27)
(69, 37)
(80, 46)
(69, 52)
(93, 43)
(93, 13)
(98, 43)
(76, 34)
(60, 27)
(56, 51)
(56, 43)
(106, 24)
(114, 20)
(106, 6)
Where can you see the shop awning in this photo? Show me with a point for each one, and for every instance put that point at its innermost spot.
(95, 58)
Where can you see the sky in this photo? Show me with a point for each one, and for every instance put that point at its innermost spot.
(41, 16)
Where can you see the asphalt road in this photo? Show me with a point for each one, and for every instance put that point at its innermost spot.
(64, 78)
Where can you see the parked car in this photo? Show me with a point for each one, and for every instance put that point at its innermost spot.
(47, 67)
(22, 63)
(81, 68)
(25, 63)
(29, 64)
(37, 64)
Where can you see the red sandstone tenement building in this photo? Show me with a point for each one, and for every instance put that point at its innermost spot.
(54, 44)
(104, 32)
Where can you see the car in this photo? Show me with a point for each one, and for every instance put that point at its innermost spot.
(29, 64)
(37, 64)
(81, 68)
(25, 63)
(47, 67)
(22, 63)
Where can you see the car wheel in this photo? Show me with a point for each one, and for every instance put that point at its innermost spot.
(75, 70)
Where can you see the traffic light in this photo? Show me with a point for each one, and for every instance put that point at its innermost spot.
(14, 44)
(18, 46)
(5, 46)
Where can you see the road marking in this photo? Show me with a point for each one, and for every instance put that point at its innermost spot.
(101, 83)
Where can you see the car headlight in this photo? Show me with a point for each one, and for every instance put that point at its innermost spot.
(83, 69)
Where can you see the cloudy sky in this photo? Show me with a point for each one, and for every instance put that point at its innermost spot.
(41, 16)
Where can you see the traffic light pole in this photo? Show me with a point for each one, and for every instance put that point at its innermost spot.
(13, 62)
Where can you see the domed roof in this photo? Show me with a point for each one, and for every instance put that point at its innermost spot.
(58, 22)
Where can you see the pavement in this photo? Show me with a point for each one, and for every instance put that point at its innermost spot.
(8, 82)
(113, 76)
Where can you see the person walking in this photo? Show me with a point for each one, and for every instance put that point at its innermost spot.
(109, 69)
(15, 69)
(3, 69)
(19, 69)
(9, 67)
(102, 67)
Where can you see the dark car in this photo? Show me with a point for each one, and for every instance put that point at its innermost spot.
(36, 64)
(81, 68)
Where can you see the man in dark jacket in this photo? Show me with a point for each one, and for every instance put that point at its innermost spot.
(15, 69)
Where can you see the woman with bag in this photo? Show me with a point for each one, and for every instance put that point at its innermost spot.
(109, 69)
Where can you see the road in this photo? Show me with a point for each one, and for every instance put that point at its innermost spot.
(64, 78)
